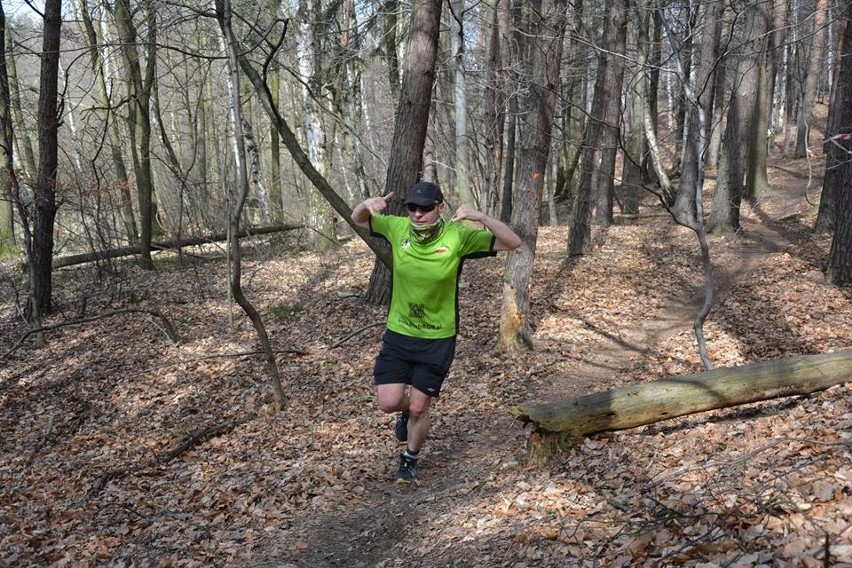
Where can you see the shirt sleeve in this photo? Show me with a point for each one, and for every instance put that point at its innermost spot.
(476, 242)
(379, 225)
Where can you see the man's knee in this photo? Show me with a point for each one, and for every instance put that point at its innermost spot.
(391, 398)
(418, 407)
(389, 405)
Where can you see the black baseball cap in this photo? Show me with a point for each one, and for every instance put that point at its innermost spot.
(424, 193)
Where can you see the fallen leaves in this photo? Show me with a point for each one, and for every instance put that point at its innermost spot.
(763, 484)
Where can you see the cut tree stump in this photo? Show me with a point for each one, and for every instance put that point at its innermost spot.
(559, 425)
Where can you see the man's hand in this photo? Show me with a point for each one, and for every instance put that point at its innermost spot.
(468, 212)
(505, 238)
(376, 205)
(369, 207)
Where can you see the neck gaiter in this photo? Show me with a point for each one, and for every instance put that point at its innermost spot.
(424, 233)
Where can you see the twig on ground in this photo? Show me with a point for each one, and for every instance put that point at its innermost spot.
(167, 326)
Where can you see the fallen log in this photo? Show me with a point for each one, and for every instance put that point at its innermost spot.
(559, 425)
(117, 252)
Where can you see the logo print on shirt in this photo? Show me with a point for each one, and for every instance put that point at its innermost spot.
(442, 250)
(416, 310)
(406, 244)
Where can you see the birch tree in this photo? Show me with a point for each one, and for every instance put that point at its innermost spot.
(7, 226)
(462, 166)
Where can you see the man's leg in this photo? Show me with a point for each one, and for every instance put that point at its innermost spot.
(418, 419)
(392, 397)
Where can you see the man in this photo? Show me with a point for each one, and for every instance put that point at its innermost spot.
(420, 340)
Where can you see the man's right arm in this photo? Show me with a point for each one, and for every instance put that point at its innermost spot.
(369, 207)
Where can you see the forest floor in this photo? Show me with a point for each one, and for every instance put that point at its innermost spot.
(119, 448)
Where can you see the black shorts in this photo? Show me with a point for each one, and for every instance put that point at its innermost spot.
(421, 363)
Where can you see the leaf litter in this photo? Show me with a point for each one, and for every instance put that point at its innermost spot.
(88, 420)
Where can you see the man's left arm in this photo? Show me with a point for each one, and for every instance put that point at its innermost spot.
(504, 237)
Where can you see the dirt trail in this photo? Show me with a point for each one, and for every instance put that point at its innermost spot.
(391, 525)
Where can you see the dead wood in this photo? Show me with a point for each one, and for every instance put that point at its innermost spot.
(168, 328)
(196, 437)
(559, 425)
(118, 252)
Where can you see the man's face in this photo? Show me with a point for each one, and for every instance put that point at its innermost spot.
(424, 215)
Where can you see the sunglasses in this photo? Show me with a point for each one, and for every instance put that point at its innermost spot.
(424, 208)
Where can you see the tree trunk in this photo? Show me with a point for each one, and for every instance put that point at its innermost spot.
(546, 30)
(176, 243)
(699, 102)
(635, 145)
(839, 121)
(757, 180)
(223, 15)
(595, 190)
(139, 119)
(412, 119)
(276, 195)
(816, 61)
(122, 184)
(44, 207)
(495, 108)
(562, 423)
(515, 57)
(573, 113)
(838, 168)
(317, 138)
(462, 166)
(21, 135)
(7, 226)
(725, 214)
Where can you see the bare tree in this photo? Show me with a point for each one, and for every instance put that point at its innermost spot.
(725, 213)
(110, 121)
(815, 63)
(838, 174)
(596, 187)
(42, 210)
(140, 87)
(7, 172)
(546, 32)
(223, 15)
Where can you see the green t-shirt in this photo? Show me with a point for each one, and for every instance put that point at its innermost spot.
(425, 282)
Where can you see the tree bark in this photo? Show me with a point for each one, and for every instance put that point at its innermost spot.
(699, 102)
(816, 61)
(318, 136)
(495, 107)
(71, 260)
(547, 31)
(21, 138)
(412, 119)
(838, 168)
(725, 214)
(7, 227)
(839, 121)
(562, 423)
(635, 144)
(460, 104)
(44, 206)
(596, 186)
